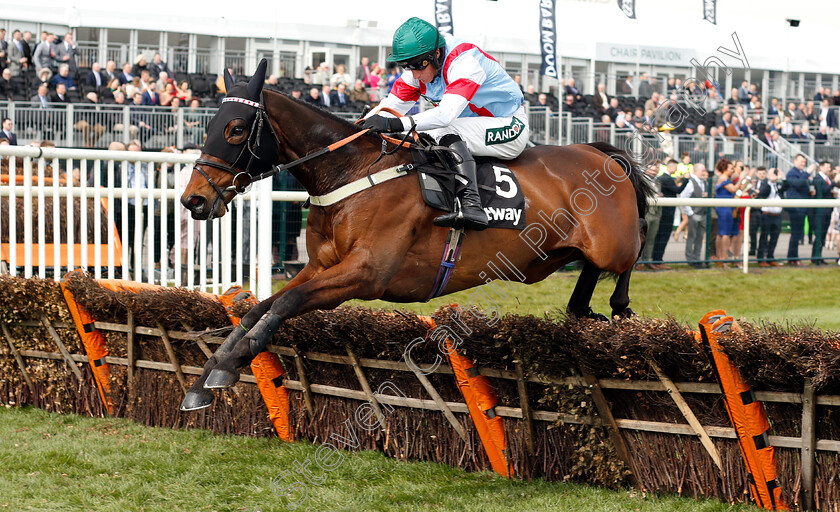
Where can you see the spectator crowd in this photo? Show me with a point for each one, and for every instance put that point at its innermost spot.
(46, 74)
(725, 226)
(739, 115)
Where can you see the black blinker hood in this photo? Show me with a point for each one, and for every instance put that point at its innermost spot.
(240, 155)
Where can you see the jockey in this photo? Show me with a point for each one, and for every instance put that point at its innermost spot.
(478, 107)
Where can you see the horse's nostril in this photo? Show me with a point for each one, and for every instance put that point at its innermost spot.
(195, 203)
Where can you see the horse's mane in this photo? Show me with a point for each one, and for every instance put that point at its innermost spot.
(327, 128)
(319, 110)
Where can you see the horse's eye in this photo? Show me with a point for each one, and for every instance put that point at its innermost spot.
(236, 131)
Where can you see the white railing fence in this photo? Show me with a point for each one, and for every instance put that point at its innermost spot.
(118, 214)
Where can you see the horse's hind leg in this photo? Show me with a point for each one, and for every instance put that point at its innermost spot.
(643, 239)
(582, 295)
(620, 298)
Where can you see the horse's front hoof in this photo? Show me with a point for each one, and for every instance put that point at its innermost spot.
(196, 400)
(219, 379)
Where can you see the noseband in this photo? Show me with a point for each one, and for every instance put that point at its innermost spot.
(254, 135)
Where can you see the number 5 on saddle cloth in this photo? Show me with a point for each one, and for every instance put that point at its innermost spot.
(498, 188)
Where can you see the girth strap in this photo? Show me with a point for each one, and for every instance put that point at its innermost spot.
(447, 262)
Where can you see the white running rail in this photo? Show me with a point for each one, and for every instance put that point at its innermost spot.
(208, 256)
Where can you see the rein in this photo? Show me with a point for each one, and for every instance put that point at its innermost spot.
(332, 147)
(280, 168)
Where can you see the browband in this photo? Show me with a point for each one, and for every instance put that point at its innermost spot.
(242, 100)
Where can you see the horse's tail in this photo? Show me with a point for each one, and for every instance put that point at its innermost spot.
(641, 185)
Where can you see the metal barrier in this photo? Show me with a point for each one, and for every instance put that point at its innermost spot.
(697, 148)
(581, 130)
(34, 123)
(793, 148)
(662, 152)
(826, 151)
(603, 132)
(775, 88)
(814, 151)
(180, 59)
(97, 125)
(202, 57)
(235, 59)
(117, 52)
(88, 53)
(559, 125)
(154, 127)
(762, 154)
(539, 119)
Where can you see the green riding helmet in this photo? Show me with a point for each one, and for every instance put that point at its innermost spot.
(416, 41)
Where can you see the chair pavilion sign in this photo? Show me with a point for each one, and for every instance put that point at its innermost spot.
(647, 54)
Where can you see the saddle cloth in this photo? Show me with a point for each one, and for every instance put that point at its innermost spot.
(498, 188)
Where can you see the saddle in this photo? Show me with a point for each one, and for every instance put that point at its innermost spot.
(499, 190)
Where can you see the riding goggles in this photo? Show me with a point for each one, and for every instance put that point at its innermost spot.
(418, 64)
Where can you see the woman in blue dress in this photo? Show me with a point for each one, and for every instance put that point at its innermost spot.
(727, 224)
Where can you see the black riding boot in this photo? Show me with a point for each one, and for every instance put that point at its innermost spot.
(471, 215)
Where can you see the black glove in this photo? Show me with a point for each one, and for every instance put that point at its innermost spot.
(381, 124)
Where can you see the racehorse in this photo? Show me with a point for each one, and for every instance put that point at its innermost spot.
(380, 243)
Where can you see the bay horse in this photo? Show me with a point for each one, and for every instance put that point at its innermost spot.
(380, 243)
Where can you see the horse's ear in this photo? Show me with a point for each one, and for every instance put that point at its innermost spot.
(228, 81)
(255, 86)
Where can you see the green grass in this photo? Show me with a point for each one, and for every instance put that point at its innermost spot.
(796, 295)
(71, 463)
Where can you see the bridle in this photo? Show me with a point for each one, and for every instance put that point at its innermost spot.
(256, 132)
